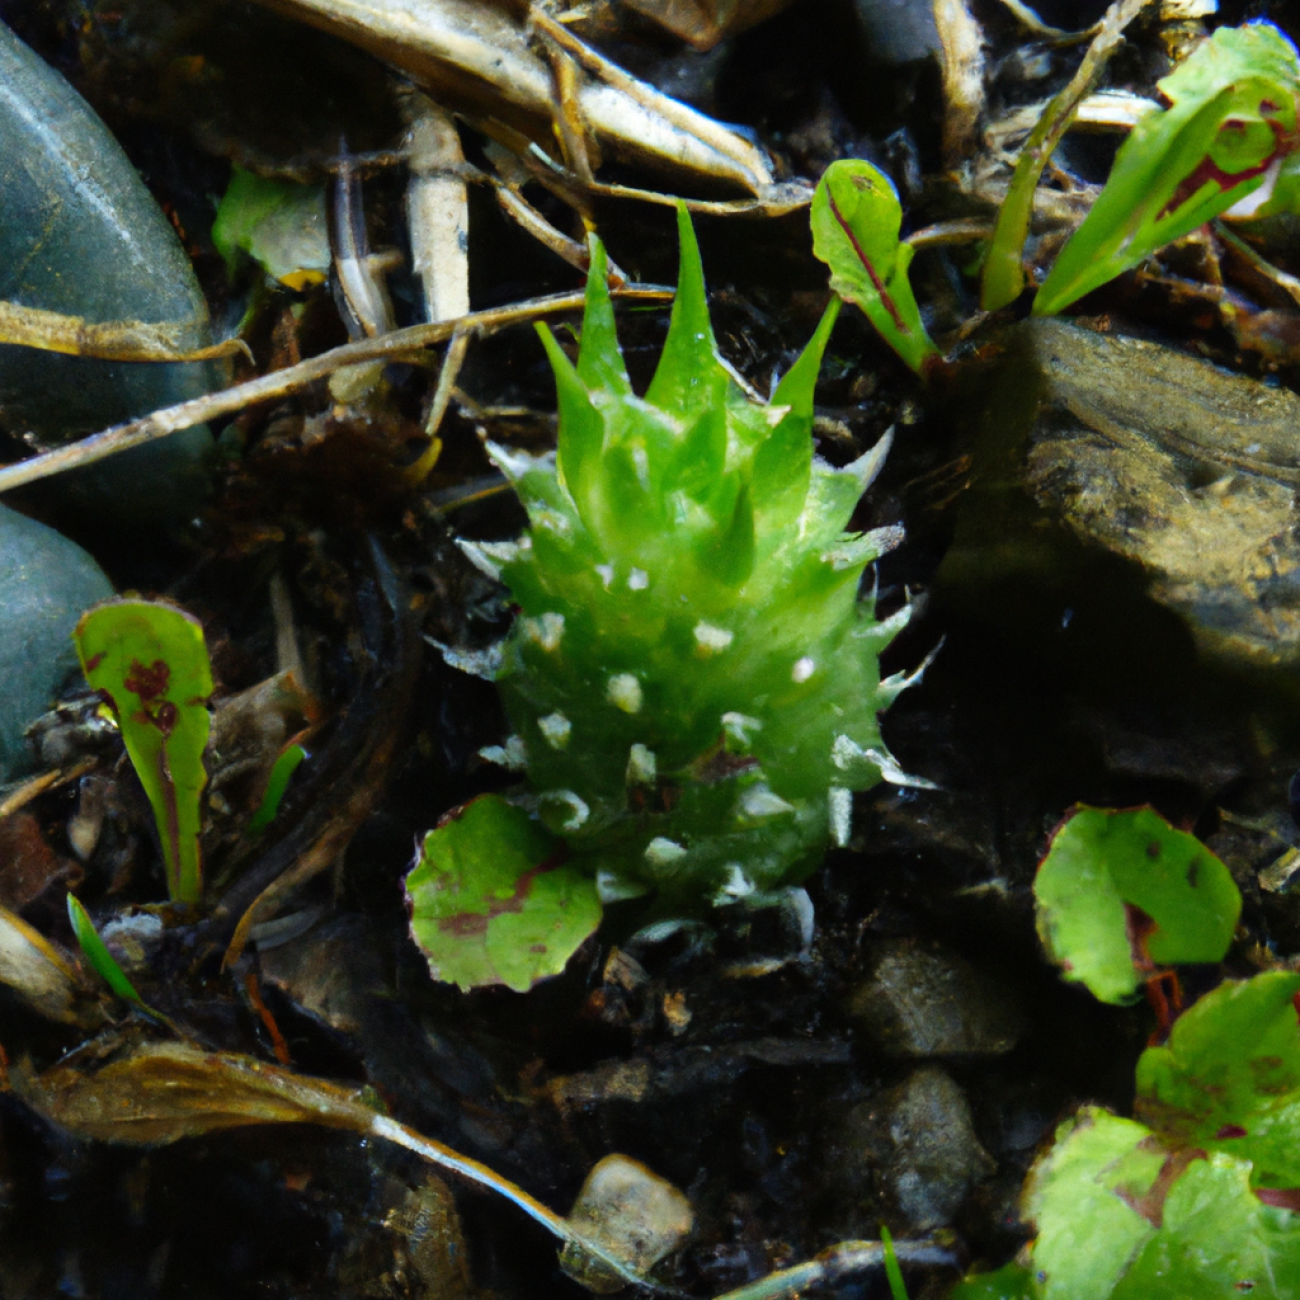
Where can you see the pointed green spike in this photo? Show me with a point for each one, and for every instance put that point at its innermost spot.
(796, 388)
(783, 470)
(689, 375)
(600, 360)
(582, 430)
(783, 464)
(731, 558)
(632, 507)
(701, 456)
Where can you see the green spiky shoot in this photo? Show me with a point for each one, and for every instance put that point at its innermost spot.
(693, 679)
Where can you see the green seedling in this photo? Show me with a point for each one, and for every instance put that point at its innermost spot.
(280, 224)
(692, 680)
(1120, 893)
(1229, 128)
(1195, 1197)
(149, 663)
(102, 962)
(1003, 277)
(856, 218)
(276, 786)
(893, 1274)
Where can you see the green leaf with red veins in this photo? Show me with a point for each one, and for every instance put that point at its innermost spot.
(1118, 1216)
(492, 900)
(856, 217)
(1229, 127)
(1229, 1079)
(149, 663)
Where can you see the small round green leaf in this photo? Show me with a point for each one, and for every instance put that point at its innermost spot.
(1102, 866)
(1082, 1195)
(492, 901)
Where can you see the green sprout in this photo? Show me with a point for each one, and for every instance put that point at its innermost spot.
(277, 784)
(149, 663)
(1229, 128)
(893, 1274)
(1197, 1195)
(856, 218)
(692, 680)
(96, 952)
(1229, 140)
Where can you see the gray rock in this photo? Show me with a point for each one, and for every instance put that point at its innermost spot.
(46, 584)
(922, 1001)
(899, 31)
(80, 234)
(919, 1146)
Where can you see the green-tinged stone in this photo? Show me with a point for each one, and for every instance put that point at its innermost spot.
(46, 583)
(80, 234)
(1100, 462)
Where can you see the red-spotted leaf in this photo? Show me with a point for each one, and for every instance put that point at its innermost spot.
(1121, 892)
(150, 664)
(492, 900)
(1229, 1079)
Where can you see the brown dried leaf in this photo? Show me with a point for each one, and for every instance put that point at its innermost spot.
(476, 57)
(36, 970)
(29, 867)
(162, 1092)
(962, 42)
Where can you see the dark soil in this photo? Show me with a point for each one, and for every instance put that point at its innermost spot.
(732, 1076)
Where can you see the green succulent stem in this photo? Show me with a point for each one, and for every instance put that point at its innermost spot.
(693, 676)
(693, 679)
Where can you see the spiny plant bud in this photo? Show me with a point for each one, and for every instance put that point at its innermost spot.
(692, 679)
(692, 673)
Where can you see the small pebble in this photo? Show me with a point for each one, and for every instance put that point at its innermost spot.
(910, 1153)
(632, 1214)
(922, 1001)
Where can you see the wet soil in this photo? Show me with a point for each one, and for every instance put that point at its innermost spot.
(732, 1062)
